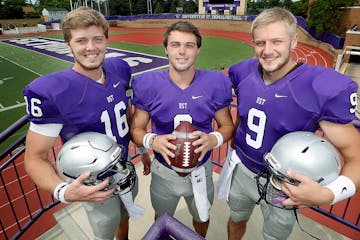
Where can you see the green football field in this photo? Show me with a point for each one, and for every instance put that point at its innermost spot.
(19, 66)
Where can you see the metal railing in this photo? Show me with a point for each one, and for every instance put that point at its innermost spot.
(22, 203)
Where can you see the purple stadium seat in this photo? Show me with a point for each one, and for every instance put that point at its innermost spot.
(168, 227)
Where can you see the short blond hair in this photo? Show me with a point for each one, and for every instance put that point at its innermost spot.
(83, 17)
(272, 15)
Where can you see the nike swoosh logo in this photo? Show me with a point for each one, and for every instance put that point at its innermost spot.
(116, 84)
(280, 96)
(196, 97)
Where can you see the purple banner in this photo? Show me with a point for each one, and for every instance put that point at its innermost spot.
(138, 62)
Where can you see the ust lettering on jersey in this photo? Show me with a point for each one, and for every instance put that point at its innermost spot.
(182, 105)
(260, 100)
(110, 98)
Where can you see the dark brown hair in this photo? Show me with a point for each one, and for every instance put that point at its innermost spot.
(183, 26)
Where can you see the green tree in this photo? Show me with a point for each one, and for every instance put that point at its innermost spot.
(258, 6)
(54, 4)
(159, 6)
(11, 9)
(300, 8)
(190, 7)
(167, 6)
(140, 7)
(274, 3)
(174, 4)
(287, 4)
(121, 7)
(325, 15)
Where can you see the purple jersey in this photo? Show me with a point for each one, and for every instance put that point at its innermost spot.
(168, 105)
(81, 104)
(297, 102)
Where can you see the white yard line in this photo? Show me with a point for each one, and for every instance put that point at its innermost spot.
(3, 109)
(18, 64)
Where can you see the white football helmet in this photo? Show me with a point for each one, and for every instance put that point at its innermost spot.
(101, 156)
(302, 152)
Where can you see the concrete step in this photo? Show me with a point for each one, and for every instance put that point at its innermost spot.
(73, 221)
(72, 225)
(55, 233)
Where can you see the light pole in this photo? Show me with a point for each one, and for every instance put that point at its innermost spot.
(149, 6)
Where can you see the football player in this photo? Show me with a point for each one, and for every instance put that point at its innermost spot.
(275, 96)
(89, 96)
(168, 97)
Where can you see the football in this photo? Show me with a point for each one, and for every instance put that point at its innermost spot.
(185, 159)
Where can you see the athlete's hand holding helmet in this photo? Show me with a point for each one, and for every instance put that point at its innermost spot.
(95, 167)
(298, 160)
